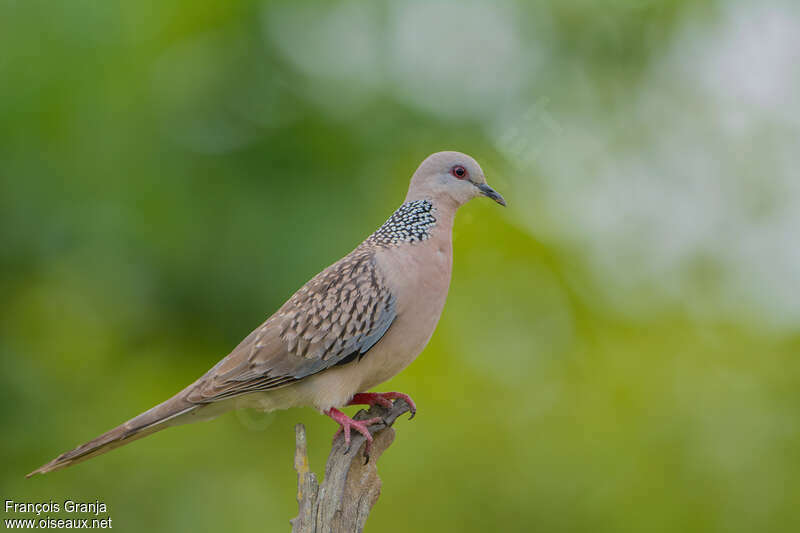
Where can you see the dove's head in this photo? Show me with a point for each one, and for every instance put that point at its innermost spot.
(450, 178)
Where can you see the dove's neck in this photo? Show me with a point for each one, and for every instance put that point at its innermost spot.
(415, 221)
(444, 207)
(445, 213)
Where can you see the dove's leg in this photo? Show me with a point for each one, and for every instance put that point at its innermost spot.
(345, 423)
(384, 399)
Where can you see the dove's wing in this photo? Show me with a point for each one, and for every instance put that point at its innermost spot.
(333, 319)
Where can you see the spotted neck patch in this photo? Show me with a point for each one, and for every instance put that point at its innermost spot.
(411, 222)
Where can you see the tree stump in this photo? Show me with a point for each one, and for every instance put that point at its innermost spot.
(341, 504)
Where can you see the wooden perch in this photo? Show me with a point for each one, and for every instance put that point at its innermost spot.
(343, 501)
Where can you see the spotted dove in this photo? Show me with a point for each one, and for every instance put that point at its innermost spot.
(353, 326)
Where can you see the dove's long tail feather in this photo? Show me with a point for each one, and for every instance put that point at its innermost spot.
(159, 417)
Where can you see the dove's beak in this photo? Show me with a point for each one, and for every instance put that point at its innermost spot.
(491, 193)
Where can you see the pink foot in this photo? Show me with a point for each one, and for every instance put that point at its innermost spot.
(384, 399)
(345, 423)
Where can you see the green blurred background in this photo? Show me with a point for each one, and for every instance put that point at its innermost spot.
(619, 351)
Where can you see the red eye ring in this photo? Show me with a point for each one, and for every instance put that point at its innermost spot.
(459, 172)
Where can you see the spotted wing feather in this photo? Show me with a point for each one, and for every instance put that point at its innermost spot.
(336, 317)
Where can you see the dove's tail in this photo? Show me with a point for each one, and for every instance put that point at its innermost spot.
(159, 417)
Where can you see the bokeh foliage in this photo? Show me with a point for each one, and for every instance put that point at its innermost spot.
(170, 172)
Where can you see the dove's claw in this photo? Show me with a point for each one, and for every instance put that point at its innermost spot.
(384, 399)
(345, 423)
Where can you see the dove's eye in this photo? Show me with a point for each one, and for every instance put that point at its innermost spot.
(459, 172)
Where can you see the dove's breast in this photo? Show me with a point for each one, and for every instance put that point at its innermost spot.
(420, 279)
